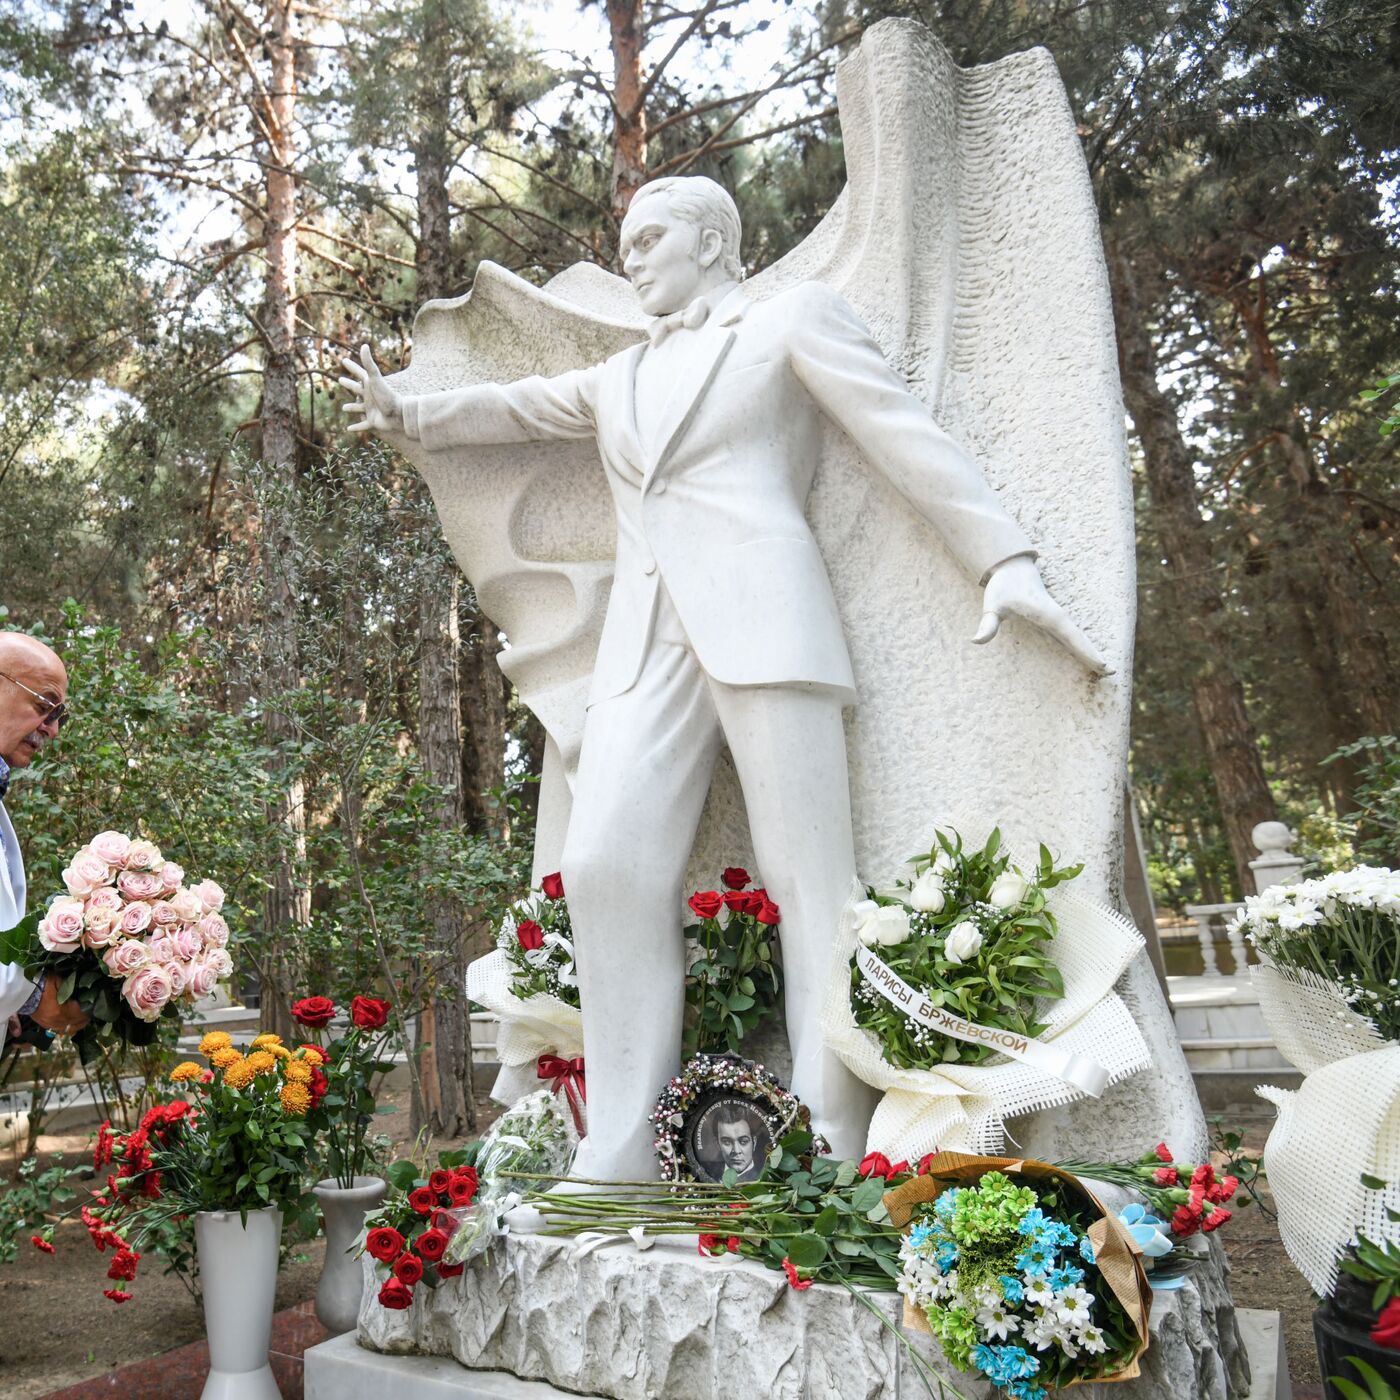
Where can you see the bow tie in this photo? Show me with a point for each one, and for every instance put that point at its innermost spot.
(691, 319)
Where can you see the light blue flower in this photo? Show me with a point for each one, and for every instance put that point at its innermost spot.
(947, 1255)
(918, 1236)
(1027, 1390)
(1033, 1221)
(944, 1206)
(1066, 1276)
(1055, 1233)
(1086, 1250)
(1011, 1289)
(1035, 1258)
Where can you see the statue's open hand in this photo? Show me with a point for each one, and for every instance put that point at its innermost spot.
(374, 399)
(1015, 587)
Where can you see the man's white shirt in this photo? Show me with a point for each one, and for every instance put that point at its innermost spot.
(15, 987)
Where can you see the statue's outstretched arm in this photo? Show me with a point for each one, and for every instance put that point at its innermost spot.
(847, 374)
(528, 410)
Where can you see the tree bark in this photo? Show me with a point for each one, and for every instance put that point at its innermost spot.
(288, 901)
(627, 35)
(1231, 745)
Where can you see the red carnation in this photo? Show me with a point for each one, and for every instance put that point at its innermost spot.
(450, 1270)
(438, 1181)
(102, 1152)
(393, 1294)
(793, 1277)
(123, 1266)
(432, 1245)
(1218, 1217)
(529, 935)
(553, 887)
(706, 903)
(408, 1269)
(1223, 1190)
(384, 1243)
(117, 1295)
(1163, 1153)
(314, 1012)
(1386, 1332)
(39, 1242)
(1184, 1223)
(735, 877)
(1166, 1176)
(1203, 1176)
(767, 913)
(709, 1246)
(877, 1164)
(368, 1013)
(462, 1188)
(421, 1199)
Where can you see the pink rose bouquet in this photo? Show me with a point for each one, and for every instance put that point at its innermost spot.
(129, 940)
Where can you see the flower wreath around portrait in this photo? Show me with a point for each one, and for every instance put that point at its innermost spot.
(714, 1090)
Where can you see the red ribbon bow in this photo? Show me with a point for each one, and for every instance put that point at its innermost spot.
(566, 1075)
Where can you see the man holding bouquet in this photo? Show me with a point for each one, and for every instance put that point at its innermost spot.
(33, 687)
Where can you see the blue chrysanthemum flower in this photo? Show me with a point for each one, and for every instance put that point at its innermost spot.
(947, 1255)
(1027, 1390)
(918, 1236)
(1035, 1258)
(1012, 1289)
(1066, 1276)
(1086, 1250)
(985, 1359)
(1017, 1364)
(944, 1206)
(1033, 1221)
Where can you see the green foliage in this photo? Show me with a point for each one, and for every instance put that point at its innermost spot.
(37, 1190)
(342, 1119)
(1377, 1388)
(733, 982)
(1376, 820)
(1391, 422)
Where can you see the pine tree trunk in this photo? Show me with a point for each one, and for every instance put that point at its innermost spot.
(288, 901)
(627, 33)
(1232, 747)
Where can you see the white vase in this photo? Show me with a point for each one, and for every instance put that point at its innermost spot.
(342, 1283)
(238, 1275)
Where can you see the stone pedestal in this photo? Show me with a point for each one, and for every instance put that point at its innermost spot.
(605, 1319)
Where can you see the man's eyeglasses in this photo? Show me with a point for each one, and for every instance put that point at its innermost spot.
(49, 713)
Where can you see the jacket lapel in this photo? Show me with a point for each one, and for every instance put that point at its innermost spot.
(719, 333)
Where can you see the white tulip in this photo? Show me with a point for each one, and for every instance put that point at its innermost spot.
(886, 924)
(963, 942)
(1008, 890)
(927, 896)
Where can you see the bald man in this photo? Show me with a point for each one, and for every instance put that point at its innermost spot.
(33, 688)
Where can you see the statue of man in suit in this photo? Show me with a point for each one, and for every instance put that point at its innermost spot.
(721, 627)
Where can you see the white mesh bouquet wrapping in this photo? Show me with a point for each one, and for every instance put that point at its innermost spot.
(964, 1107)
(1343, 1122)
(1312, 1021)
(529, 1026)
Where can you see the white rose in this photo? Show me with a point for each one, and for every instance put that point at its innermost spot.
(963, 942)
(887, 925)
(927, 896)
(1008, 890)
(942, 863)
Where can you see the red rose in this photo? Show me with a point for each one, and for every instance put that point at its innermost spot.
(450, 1270)
(899, 1169)
(767, 913)
(1218, 1217)
(421, 1199)
(553, 887)
(793, 1277)
(438, 1181)
(408, 1269)
(737, 901)
(441, 1220)
(431, 1244)
(1386, 1332)
(319, 1085)
(1163, 1153)
(39, 1242)
(117, 1295)
(368, 1014)
(755, 900)
(876, 1164)
(314, 1012)
(462, 1188)
(123, 1266)
(1184, 1223)
(707, 903)
(393, 1294)
(529, 935)
(384, 1243)
(1166, 1176)
(735, 877)
(709, 1246)
(926, 1162)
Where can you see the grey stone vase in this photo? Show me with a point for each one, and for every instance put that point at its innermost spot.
(343, 1209)
(238, 1275)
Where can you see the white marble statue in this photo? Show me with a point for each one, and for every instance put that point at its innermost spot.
(722, 628)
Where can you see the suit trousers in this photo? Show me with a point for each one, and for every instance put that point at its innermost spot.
(644, 771)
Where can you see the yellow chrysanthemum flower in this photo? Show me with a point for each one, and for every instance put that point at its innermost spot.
(297, 1072)
(239, 1075)
(187, 1069)
(313, 1055)
(224, 1057)
(266, 1041)
(215, 1040)
(261, 1062)
(280, 1051)
(296, 1099)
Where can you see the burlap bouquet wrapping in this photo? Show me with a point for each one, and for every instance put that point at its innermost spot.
(1116, 1256)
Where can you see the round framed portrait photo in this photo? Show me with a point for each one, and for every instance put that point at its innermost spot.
(726, 1131)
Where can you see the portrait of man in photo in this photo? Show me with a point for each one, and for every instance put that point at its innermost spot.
(728, 1135)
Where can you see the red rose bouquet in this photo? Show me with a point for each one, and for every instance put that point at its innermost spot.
(538, 941)
(345, 1105)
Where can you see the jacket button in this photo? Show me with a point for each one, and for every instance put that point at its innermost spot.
(659, 489)
(649, 567)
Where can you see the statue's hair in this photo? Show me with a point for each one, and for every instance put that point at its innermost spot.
(702, 202)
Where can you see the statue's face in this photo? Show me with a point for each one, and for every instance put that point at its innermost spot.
(736, 1145)
(667, 259)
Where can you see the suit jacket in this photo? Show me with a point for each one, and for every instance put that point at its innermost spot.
(15, 987)
(716, 505)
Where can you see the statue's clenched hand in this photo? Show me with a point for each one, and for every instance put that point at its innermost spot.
(380, 406)
(1015, 587)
